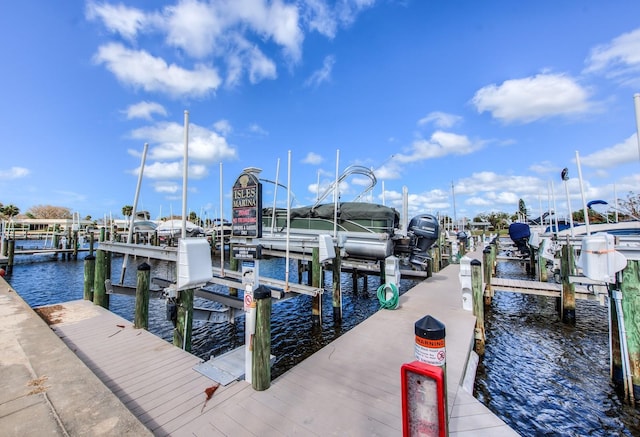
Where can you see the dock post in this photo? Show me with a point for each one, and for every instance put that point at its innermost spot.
(142, 297)
(478, 304)
(316, 267)
(337, 289)
(184, 322)
(488, 274)
(10, 254)
(542, 266)
(261, 360)
(75, 244)
(91, 244)
(89, 276)
(630, 288)
(100, 296)
(568, 295)
(233, 265)
(435, 258)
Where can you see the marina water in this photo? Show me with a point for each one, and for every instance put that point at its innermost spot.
(541, 376)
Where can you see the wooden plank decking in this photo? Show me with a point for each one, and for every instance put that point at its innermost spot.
(350, 387)
(538, 288)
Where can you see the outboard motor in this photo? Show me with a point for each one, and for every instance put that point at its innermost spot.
(424, 230)
(520, 233)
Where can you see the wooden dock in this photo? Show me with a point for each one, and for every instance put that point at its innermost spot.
(538, 288)
(350, 387)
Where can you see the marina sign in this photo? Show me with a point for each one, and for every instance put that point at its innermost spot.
(247, 206)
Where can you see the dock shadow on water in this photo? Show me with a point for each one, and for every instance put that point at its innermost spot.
(547, 378)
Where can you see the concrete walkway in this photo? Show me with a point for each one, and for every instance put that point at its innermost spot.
(44, 387)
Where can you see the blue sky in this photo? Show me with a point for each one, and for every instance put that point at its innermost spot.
(493, 98)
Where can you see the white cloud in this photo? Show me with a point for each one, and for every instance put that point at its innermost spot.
(313, 159)
(440, 144)
(257, 129)
(532, 98)
(619, 59)
(223, 126)
(193, 26)
(440, 119)
(14, 173)
(204, 145)
(119, 19)
(140, 69)
(171, 170)
(626, 151)
(323, 74)
(145, 110)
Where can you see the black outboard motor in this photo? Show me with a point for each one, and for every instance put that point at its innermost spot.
(424, 230)
(520, 233)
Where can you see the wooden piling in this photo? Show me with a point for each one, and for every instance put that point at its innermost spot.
(568, 295)
(630, 287)
(316, 268)
(184, 322)
(261, 354)
(478, 305)
(100, 296)
(89, 276)
(76, 244)
(10, 255)
(91, 243)
(488, 274)
(141, 319)
(337, 289)
(543, 275)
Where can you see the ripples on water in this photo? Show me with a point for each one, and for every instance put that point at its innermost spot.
(541, 376)
(547, 378)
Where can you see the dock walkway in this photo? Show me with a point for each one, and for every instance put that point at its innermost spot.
(350, 387)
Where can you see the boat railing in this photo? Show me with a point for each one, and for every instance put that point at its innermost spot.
(351, 170)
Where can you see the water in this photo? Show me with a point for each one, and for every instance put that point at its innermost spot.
(545, 377)
(39, 281)
(541, 376)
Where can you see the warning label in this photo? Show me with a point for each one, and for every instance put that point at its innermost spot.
(433, 356)
(430, 343)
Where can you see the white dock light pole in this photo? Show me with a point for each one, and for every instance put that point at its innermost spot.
(636, 100)
(125, 261)
(185, 173)
(584, 202)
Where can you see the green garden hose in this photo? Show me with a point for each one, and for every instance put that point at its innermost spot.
(389, 304)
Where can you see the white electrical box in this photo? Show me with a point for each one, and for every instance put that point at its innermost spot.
(194, 263)
(598, 258)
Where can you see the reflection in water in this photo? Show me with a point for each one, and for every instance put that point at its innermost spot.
(540, 376)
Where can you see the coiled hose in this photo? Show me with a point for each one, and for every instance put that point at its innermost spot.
(388, 304)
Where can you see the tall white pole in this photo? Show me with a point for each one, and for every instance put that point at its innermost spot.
(286, 274)
(383, 195)
(275, 192)
(555, 209)
(405, 209)
(221, 225)
(565, 178)
(584, 201)
(336, 195)
(185, 173)
(133, 211)
(636, 100)
(615, 201)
